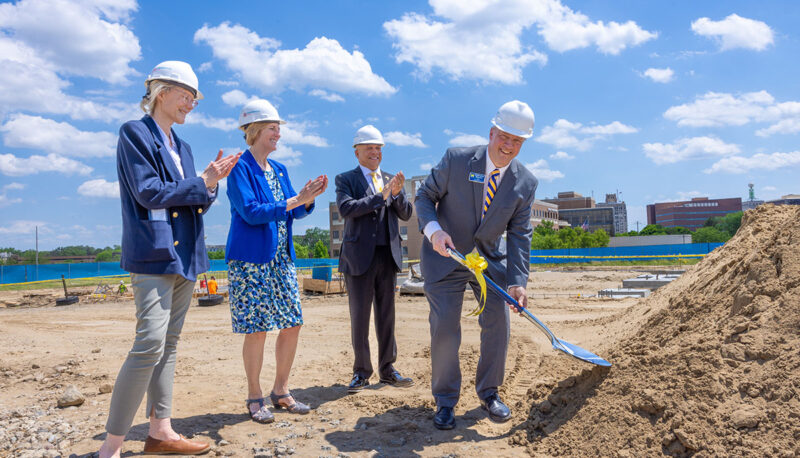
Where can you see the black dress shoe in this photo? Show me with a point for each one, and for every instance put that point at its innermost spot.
(444, 418)
(498, 412)
(395, 379)
(357, 384)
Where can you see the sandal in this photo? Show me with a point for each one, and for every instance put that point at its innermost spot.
(296, 407)
(262, 415)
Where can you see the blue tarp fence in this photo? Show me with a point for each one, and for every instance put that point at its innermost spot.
(626, 253)
(30, 272)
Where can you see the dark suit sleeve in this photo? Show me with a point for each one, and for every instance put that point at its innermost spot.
(402, 206)
(518, 241)
(138, 165)
(431, 191)
(349, 205)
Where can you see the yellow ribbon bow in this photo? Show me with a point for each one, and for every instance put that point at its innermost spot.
(477, 265)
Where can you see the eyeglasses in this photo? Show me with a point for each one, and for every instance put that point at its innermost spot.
(187, 99)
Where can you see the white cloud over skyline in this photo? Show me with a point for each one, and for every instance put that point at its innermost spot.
(322, 64)
(760, 161)
(566, 134)
(99, 188)
(12, 165)
(23, 131)
(659, 75)
(735, 32)
(685, 149)
(404, 139)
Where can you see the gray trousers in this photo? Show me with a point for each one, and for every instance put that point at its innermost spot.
(445, 298)
(161, 305)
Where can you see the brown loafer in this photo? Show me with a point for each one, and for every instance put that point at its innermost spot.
(182, 446)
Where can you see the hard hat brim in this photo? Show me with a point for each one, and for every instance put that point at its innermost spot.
(197, 93)
(512, 131)
(369, 142)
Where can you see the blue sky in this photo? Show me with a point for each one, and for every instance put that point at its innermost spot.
(657, 100)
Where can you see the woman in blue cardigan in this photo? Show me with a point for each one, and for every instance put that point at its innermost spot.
(263, 289)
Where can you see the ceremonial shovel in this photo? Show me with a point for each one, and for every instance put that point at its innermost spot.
(558, 344)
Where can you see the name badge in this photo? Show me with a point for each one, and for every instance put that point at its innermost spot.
(476, 177)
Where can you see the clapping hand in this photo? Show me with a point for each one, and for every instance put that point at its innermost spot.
(219, 168)
(312, 189)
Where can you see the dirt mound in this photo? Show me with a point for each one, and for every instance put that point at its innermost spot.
(713, 368)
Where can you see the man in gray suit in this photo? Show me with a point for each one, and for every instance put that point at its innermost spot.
(470, 199)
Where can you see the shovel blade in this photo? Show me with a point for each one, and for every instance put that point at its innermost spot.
(579, 353)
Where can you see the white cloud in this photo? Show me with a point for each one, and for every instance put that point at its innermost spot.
(426, 166)
(297, 133)
(542, 171)
(226, 83)
(31, 83)
(99, 188)
(561, 155)
(491, 33)
(769, 188)
(225, 124)
(76, 37)
(23, 131)
(16, 166)
(714, 109)
(735, 32)
(24, 227)
(760, 161)
(468, 140)
(660, 75)
(322, 64)
(566, 134)
(205, 66)
(4, 199)
(405, 139)
(236, 98)
(686, 149)
(287, 156)
(324, 95)
(784, 126)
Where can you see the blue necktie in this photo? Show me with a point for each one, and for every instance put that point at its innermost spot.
(491, 189)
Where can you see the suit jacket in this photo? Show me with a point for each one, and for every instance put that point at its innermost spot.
(149, 180)
(253, 236)
(359, 206)
(449, 197)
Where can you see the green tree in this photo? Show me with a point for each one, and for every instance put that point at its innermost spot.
(709, 235)
(653, 229)
(300, 250)
(601, 238)
(103, 256)
(677, 230)
(216, 254)
(320, 250)
(730, 223)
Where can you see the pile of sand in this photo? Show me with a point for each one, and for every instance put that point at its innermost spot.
(712, 368)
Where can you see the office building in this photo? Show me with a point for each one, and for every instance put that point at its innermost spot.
(691, 214)
(571, 199)
(590, 219)
(789, 199)
(545, 211)
(620, 212)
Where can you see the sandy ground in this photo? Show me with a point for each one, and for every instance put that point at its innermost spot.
(47, 348)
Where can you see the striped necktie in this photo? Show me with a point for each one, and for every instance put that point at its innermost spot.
(491, 189)
(377, 184)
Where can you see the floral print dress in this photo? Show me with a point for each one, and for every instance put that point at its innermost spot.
(264, 297)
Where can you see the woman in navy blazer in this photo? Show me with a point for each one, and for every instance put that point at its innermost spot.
(163, 203)
(263, 290)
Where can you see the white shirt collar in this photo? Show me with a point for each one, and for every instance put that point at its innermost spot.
(368, 173)
(490, 167)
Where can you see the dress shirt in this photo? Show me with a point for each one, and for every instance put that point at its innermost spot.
(434, 226)
(368, 175)
(176, 158)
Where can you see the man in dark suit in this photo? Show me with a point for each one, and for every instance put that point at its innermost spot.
(470, 199)
(371, 201)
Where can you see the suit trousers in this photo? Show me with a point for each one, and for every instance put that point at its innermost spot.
(446, 298)
(161, 305)
(376, 286)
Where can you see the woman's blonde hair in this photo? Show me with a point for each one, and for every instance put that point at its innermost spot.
(252, 130)
(148, 103)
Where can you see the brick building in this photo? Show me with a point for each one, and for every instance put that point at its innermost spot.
(691, 214)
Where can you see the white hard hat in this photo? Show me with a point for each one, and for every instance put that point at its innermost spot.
(177, 72)
(258, 110)
(368, 135)
(515, 118)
